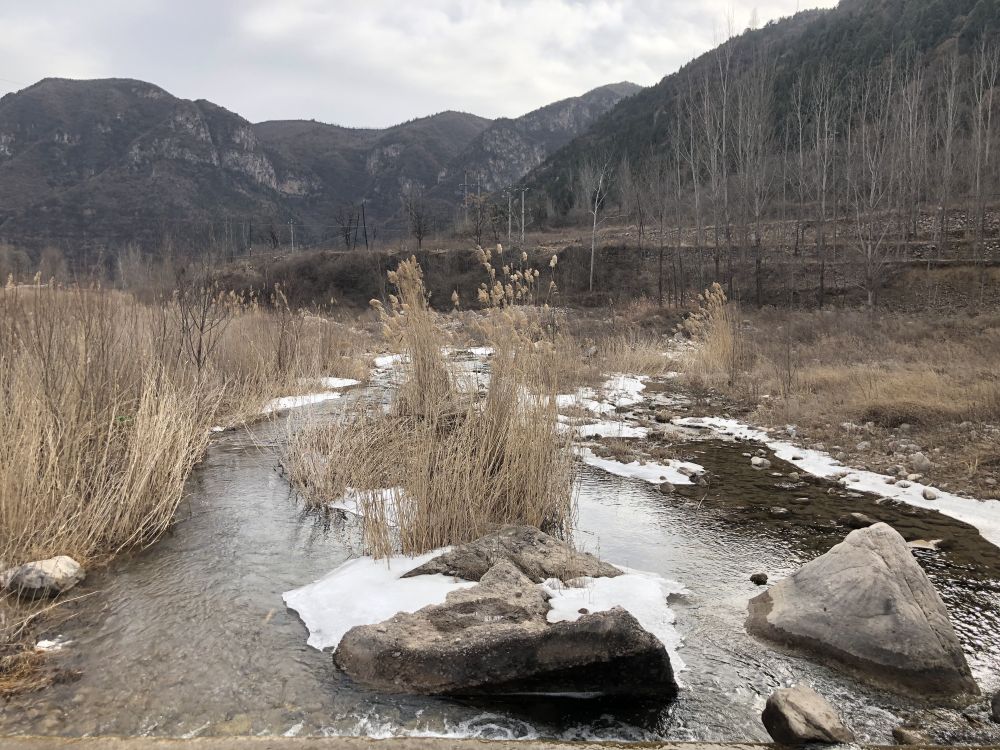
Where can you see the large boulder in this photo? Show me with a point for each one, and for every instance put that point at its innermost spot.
(43, 577)
(799, 715)
(867, 606)
(536, 554)
(494, 639)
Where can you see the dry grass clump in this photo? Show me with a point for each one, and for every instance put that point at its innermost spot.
(722, 356)
(635, 353)
(446, 462)
(106, 406)
(936, 373)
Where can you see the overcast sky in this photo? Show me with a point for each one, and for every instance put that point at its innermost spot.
(370, 63)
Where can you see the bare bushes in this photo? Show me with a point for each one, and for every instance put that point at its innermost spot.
(453, 456)
(96, 437)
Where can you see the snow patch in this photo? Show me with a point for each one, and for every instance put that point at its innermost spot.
(624, 390)
(642, 594)
(335, 383)
(675, 472)
(365, 591)
(294, 402)
(612, 429)
(387, 361)
(983, 514)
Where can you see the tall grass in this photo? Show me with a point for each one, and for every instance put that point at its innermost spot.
(447, 462)
(106, 406)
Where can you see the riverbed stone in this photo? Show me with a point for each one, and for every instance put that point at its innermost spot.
(799, 715)
(866, 606)
(43, 577)
(494, 639)
(858, 520)
(536, 554)
(910, 736)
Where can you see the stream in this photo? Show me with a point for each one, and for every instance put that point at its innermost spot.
(191, 636)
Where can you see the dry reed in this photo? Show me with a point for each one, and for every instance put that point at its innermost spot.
(449, 460)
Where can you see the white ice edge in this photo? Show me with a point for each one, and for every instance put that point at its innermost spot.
(611, 429)
(642, 594)
(293, 402)
(365, 591)
(352, 499)
(335, 383)
(649, 472)
(983, 514)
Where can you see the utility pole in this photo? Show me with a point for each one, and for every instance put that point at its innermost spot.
(291, 231)
(523, 191)
(250, 237)
(510, 198)
(364, 223)
(465, 197)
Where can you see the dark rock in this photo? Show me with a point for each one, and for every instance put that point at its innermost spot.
(536, 554)
(995, 708)
(494, 639)
(799, 715)
(858, 521)
(910, 736)
(867, 606)
(759, 579)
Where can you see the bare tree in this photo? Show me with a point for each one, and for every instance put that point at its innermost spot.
(347, 219)
(594, 184)
(417, 215)
(824, 114)
(870, 172)
(986, 70)
(946, 125)
(755, 117)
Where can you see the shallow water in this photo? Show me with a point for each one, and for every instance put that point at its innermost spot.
(191, 637)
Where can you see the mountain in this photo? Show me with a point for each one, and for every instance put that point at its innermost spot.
(510, 148)
(87, 164)
(848, 39)
(117, 159)
(334, 167)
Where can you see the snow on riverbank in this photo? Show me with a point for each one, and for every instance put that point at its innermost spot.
(675, 472)
(642, 594)
(364, 591)
(333, 385)
(293, 402)
(611, 429)
(983, 514)
(617, 391)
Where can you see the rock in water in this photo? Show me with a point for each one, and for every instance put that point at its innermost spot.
(536, 554)
(494, 639)
(867, 606)
(43, 577)
(995, 708)
(799, 715)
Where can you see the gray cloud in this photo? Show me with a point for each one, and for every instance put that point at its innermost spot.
(373, 63)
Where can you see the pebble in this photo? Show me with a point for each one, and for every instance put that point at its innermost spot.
(929, 494)
(759, 579)
(760, 463)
